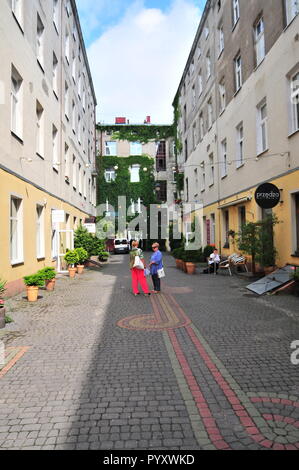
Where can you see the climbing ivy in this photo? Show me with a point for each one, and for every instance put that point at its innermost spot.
(176, 117)
(142, 133)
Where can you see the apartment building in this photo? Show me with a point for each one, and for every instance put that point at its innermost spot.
(239, 125)
(47, 135)
(161, 151)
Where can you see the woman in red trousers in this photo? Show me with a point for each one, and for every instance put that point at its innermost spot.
(138, 276)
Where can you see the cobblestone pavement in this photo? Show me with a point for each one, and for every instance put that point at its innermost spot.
(205, 365)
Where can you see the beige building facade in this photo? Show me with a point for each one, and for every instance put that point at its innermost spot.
(239, 125)
(47, 134)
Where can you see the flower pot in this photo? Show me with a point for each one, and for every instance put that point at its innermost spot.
(191, 268)
(184, 266)
(2, 317)
(50, 284)
(268, 270)
(80, 268)
(72, 272)
(32, 293)
(178, 263)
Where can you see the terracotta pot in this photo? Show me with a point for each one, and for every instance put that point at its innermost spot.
(80, 268)
(50, 284)
(191, 268)
(2, 317)
(32, 293)
(178, 263)
(268, 270)
(72, 272)
(184, 266)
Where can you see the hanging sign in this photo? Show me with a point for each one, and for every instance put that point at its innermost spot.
(57, 216)
(267, 196)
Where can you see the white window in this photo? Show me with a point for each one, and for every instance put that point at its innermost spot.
(16, 103)
(68, 7)
(238, 72)
(74, 117)
(212, 169)
(111, 148)
(295, 102)
(201, 127)
(79, 85)
(80, 178)
(56, 14)
(79, 129)
(210, 114)
(222, 96)
(195, 182)
(134, 172)
(207, 31)
(66, 100)
(203, 176)
(110, 175)
(40, 234)
(240, 145)
(39, 129)
(66, 162)
(262, 131)
(67, 45)
(55, 147)
(223, 158)
(259, 41)
(192, 67)
(208, 65)
(236, 11)
(74, 66)
(16, 230)
(200, 86)
(221, 39)
(193, 97)
(84, 185)
(84, 99)
(74, 172)
(292, 9)
(17, 9)
(55, 74)
(198, 51)
(194, 136)
(135, 148)
(40, 41)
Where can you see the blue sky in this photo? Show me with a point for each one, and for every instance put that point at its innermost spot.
(137, 51)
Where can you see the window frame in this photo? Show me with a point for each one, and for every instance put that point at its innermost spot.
(18, 219)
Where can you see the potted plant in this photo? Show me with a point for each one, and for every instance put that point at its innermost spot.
(82, 256)
(33, 282)
(72, 258)
(2, 305)
(49, 275)
(190, 258)
(103, 255)
(176, 254)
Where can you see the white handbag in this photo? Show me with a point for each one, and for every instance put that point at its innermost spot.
(161, 273)
(138, 263)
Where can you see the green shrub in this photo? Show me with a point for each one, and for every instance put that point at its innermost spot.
(103, 256)
(8, 319)
(207, 251)
(92, 244)
(48, 273)
(2, 288)
(296, 275)
(82, 254)
(34, 280)
(71, 257)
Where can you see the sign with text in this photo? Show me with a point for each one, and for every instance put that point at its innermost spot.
(58, 216)
(267, 196)
(91, 228)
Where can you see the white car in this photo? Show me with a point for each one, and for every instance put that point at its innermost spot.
(121, 245)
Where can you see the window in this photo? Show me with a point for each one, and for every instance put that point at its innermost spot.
(223, 158)
(66, 163)
(296, 197)
(194, 136)
(187, 189)
(16, 103)
(68, 7)
(208, 65)
(259, 39)
(222, 96)
(67, 46)
(185, 117)
(238, 72)
(198, 51)
(195, 182)
(40, 238)
(192, 67)
(226, 228)
(213, 229)
(55, 74)
(110, 175)
(212, 169)
(201, 127)
(79, 85)
(74, 67)
(295, 103)
(292, 9)
(203, 176)
(135, 148)
(161, 156)
(240, 145)
(79, 129)
(221, 39)
(80, 178)
(186, 150)
(242, 217)
(56, 14)
(236, 11)
(39, 129)
(40, 41)
(74, 172)
(73, 117)
(55, 147)
(84, 185)
(16, 230)
(111, 148)
(210, 114)
(262, 132)
(66, 100)
(17, 9)
(134, 172)
(193, 97)
(207, 31)
(200, 86)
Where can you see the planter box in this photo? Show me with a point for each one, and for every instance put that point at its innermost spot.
(32, 293)
(191, 268)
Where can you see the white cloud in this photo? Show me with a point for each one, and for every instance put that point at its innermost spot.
(137, 64)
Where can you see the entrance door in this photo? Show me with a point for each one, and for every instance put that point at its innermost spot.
(65, 242)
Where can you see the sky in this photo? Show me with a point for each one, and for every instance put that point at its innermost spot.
(137, 51)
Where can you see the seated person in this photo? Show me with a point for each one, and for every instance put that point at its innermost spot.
(214, 261)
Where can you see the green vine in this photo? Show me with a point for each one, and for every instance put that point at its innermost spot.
(142, 133)
(176, 117)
